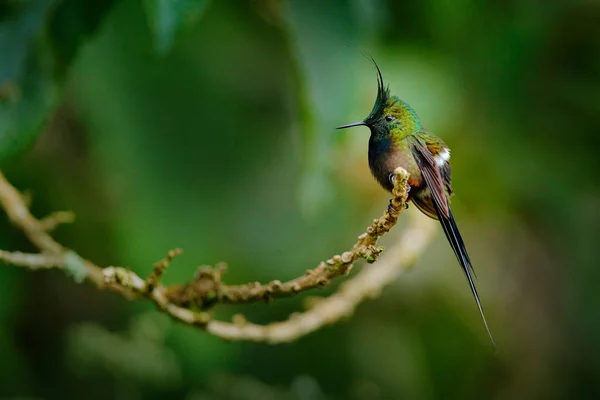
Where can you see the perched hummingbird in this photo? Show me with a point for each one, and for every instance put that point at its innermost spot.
(398, 140)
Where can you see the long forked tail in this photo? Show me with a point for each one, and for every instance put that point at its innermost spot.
(458, 245)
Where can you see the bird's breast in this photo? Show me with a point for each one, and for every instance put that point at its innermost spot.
(385, 156)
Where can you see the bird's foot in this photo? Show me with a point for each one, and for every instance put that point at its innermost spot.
(392, 179)
(391, 207)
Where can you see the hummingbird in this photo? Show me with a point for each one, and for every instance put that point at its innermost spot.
(399, 140)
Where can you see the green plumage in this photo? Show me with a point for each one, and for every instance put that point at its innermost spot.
(398, 140)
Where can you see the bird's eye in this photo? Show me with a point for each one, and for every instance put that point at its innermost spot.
(389, 118)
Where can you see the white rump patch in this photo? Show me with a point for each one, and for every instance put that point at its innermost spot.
(442, 157)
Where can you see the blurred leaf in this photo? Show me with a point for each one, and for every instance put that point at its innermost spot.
(168, 17)
(17, 30)
(33, 64)
(27, 90)
(72, 22)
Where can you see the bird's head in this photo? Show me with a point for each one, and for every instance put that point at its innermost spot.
(390, 115)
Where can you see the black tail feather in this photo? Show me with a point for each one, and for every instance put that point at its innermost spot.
(458, 245)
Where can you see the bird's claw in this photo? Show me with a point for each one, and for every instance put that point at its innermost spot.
(391, 207)
(392, 179)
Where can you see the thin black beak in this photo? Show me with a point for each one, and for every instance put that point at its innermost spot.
(359, 123)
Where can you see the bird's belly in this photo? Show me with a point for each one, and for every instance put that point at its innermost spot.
(383, 164)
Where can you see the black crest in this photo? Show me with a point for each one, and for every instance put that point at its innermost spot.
(383, 96)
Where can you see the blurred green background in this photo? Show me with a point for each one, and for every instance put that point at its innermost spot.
(209, 125)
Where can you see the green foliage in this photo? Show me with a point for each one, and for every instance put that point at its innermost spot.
(28, 91)
(225, 145)
(38, 41)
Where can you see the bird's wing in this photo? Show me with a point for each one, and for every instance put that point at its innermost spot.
(441, 154)
(436, 184)
(437, 179)
(431, 173)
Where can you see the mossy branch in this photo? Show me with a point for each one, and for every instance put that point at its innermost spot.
(183, 302)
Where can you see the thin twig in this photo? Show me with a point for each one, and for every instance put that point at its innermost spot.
(52, 221)
(32, 261)
(159, 269)
(19, 215)
(13, 203)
